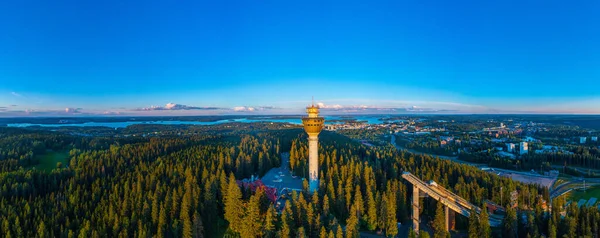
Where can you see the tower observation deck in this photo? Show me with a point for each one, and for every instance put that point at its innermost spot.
(313, 124)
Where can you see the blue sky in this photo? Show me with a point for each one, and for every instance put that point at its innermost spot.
(270, 57)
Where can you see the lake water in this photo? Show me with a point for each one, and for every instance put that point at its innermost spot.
(328, 120)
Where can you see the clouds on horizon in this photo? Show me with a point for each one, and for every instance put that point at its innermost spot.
(365, 109)
(254, 109)
(174, 106)
(73, 110)
(332, 107)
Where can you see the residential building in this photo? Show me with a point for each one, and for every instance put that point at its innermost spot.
(510, 147)
(582, 140)
(523, 148)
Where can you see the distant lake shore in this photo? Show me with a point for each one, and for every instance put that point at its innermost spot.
(124, 122)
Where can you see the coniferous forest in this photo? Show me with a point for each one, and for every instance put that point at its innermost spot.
(180, 181)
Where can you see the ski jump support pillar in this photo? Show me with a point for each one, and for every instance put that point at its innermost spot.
(415, 206)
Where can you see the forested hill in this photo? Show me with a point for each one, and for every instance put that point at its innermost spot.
(179, 181)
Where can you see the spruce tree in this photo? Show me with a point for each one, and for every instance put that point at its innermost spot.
(270, 221)
(326, 208)
(352, 223)
(301, 233)
(439, 222)
(484, 224)
(424, 234)
(198, 227)
(382, 212)
(41, 231)
(338, 232)
(510, 223)
(285, 221)
(162, 222)
(371, 211)
(474, 228)
(234, 211)
(323, 233)
(252, 221)
(551, 230)
(330, 234)
(391, 222)
(185, 215)
(411, 233)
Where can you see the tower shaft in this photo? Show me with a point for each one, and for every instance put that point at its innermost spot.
(313, 162)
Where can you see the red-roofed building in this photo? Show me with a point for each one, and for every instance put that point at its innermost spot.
(270, 192)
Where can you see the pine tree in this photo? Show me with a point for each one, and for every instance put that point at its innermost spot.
(439, 222)
(234, 211)
(484, 224)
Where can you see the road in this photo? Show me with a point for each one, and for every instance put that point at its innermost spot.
(578, 169)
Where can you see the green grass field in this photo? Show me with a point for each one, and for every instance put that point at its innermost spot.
(590, 192)
(47, 161)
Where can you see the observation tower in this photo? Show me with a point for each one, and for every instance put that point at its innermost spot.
(313, 124)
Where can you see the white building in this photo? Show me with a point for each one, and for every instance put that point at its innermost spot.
(510, 147)
(582, 139)
(594, 138)
(524, 148)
